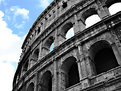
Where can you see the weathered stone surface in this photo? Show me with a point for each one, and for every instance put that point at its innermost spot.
(88, 61)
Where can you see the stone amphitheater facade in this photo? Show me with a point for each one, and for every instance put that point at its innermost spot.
(88, 61)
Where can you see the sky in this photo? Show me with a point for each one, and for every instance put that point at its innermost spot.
(16, 18)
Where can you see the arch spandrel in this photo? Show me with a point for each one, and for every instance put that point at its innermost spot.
(106, 36)
(69, 54)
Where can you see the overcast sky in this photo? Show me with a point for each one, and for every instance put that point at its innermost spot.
(16, 18)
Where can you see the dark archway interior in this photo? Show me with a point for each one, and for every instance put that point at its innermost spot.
(73, 75)
(105, 60)
(64, 4)
(66, 28)
(50, 84)
(101, 53)
(25, 67)
(46, 82)
(36, 55)
(31, 87)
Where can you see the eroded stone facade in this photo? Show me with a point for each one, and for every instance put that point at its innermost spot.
(88, 61)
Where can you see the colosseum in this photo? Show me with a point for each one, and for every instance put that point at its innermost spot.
(87, 61)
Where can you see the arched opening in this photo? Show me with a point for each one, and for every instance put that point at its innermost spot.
(73, 73)
(70, 33)
(50, 43)
(30, 87)
(90, 17)
(92, 20)
(25, 66)
(52, 46)
(36, 55)
(48, 46)
(103, 57)
(64, 4)
(70, 70)
(38, 30)
(68, 30)
(114, 8)
(46, 81)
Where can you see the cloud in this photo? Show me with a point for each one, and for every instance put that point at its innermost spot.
(20, 11)
(44, 3)
(6, 76)
(18, 16)
(9, 43)
(10, 49)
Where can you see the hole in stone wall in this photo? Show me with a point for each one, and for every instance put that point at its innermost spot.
(105, 60)
(67, 30)
(92, 20)
(102, 55)
(73, 73)
(113, 9)
(38, 30)
(36, 55)
(70, 70)
(46, 82)
(49, 44)
(25, 67)
(52, 46)
(70, 33)
(64, 4)
(31, 87)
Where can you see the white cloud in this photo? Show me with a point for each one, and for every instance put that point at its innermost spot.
(6, 76)
(20, 11)
(19, 16)
(44, 3)
(9, 52)
(9, 43)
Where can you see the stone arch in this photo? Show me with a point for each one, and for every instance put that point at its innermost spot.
(108, 3)
(105, 37)
(114, 7)
(30, 87)
(88, 14)
(66, 28)
(47, 44)
(69, 70)
(46, 81)
(25, 66)
(36, 54)
(102, 56)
